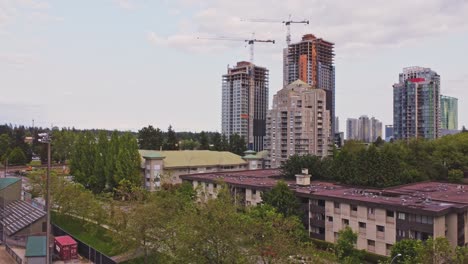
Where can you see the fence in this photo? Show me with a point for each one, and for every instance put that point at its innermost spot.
(84, 249)
(13, 254)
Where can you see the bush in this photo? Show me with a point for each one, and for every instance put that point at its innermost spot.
(455, 176)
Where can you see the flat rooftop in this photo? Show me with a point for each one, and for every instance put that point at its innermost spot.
(430, 197)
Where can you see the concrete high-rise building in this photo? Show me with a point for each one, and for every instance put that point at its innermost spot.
(449, 112)
(364, 128)
(298, 123)
(337, 124)
(388, 132)
(311, 60)
(376, 129)
(352, 129)
(416, 106)
(245, 103)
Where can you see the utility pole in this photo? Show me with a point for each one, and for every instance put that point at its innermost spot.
(45, 139)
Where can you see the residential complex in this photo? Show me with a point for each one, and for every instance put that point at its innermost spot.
(298, 123)
(311, 60)
(167, 166)
(364, 129)
(448, 112)
(381, 217)
(245, 103)
(352, 129)
(416, 106)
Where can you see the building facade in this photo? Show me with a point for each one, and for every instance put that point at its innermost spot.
(245, 103)
(311, 60)
(298, 123)
(416, 106)
(352, 129)
(449, 112)
(376, 129)
(166, 166)
(381, 217)
(388, 132)
(364, 128)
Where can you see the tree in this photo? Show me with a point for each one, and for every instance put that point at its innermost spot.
(128, 162)
(283, 199)
(409, 250)
(150, 138)
(216, 141)
(224, 144)
(189, 144)
(237, 144)
(171, 140)
(455, 176)
(436, 250)
(344, 247)
(379, 142)
(101, 164)
(204, 142)
(5, 142)
(17, 157)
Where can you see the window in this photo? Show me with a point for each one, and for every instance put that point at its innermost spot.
(370, 210)
(362, 225)
(380, 228)
(215, 185)
(330, 218)
(389, 246)
(254, 192)
(345, 222)
(370, 242)
(390, 213)
(401, 233)
(354, 208)
(402, 216)
(336, 205)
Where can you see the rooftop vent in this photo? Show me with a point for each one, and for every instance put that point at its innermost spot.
(303, 179)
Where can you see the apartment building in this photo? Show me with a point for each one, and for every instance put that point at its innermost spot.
(448, 112)
(416, 104)
(166, 166)
(352, 129)
(381, 217)
(245, 103)
(298, 123)
(311, 60)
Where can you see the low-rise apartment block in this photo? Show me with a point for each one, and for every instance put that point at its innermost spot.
(381, 217)
(167, 166)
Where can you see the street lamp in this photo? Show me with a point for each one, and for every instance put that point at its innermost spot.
(46, 139)
(393, 259)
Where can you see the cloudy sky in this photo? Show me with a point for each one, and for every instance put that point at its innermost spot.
(124, 64)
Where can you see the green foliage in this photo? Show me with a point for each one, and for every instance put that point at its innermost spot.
(204, 142)
(17, 157)
(455, 176)
(237, 144)
(99, 163)
(409, 250)
(344, 248)
(171, 140)
(282, 199)
(388, 164)
(189, 144)
(4, 145)
(150, 138)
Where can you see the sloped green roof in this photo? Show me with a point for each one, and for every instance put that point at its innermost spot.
(5, 182)
(249, 152)
(36, 246)
(250, 156)
(195, 158)
(262, 154)
(153, 155)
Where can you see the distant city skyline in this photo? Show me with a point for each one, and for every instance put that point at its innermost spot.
(121, 65)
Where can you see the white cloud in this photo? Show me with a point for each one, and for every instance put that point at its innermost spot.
(17, 60)
(355, 26)
(125, 4)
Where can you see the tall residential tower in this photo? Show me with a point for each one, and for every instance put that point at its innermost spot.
(449, 112)
(298, 123)
(416, 107)
(245, 103)
(311, 60)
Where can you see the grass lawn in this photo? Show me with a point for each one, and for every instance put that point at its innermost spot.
(98, 239)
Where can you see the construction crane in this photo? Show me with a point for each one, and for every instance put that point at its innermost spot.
(287, 23)
(250, 42)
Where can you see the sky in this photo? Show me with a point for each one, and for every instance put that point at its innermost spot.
(125, 64)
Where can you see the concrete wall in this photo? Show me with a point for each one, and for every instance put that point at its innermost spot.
(34, 229)
(36, 260)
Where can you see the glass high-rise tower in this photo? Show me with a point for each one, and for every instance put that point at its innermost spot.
(416, 106)
(449, 112)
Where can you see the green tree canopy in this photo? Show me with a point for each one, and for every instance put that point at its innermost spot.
(282, 199)
(17, 157)
(150, 138)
